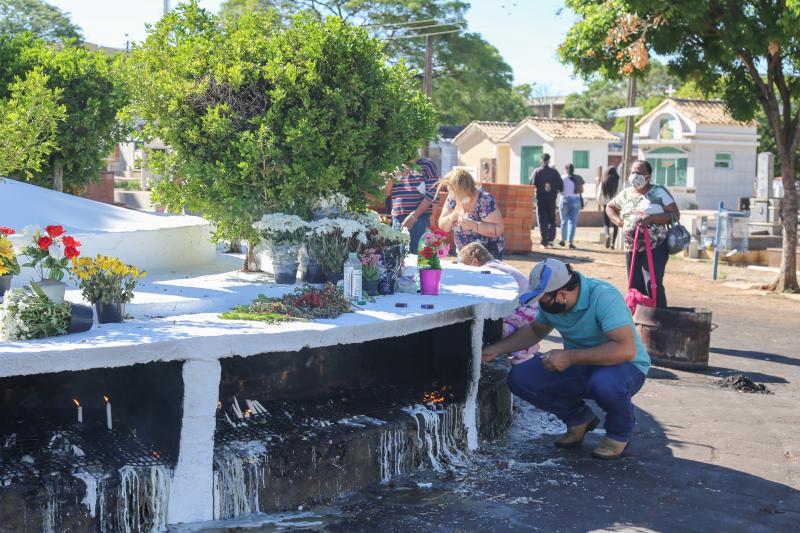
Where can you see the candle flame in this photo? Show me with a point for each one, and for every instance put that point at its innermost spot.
(77, 403)
(105, 398)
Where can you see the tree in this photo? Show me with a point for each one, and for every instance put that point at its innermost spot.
(37, 17)
(471, 79)
(89, 90)
(29, 118)
(264, 118)
(749, 52)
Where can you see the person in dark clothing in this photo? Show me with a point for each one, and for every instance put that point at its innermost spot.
(548, 183)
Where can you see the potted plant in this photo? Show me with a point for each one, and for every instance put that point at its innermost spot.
(391, 246)
(9, 266)
(432, 247)
(371, 273)
(26, 313)
(50, 252)
(282, 236)
(108, 283)
(332, 239)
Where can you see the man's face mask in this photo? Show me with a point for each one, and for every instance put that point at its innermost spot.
(554, 306)
(637, 181)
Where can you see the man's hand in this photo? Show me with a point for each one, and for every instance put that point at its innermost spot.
(489, 353)
(556, 360)
(409, 221)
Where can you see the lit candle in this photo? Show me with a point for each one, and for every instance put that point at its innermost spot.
(247, 413)
(80, 411)
(108, 412)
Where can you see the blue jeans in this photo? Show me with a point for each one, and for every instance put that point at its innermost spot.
(416, 231)
(569, 208)
(563, 393)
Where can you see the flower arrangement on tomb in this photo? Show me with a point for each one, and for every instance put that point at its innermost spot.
(28, 314)
(50, 251)
(332, 239)
(432, 247)
(282, 235)
(304, 303)
(9, 265)
(370, 264)
(106, 279)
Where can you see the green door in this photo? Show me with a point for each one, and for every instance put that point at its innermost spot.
(530, 158)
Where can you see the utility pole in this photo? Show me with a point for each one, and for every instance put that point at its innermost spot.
(428, 82)
(627, 147)
(166, 7)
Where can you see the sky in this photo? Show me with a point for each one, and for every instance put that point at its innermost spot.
(527, 32)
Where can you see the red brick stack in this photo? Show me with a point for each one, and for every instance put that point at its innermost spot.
(516, 204)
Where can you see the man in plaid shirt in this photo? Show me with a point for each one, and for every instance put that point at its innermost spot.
(413, 194)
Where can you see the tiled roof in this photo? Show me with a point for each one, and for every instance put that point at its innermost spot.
(495, 130)
(568, 128)
(702, 112)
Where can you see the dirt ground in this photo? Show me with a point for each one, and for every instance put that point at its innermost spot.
(703, 458)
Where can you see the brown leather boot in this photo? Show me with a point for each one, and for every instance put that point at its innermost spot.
(609, 449)
(574, 435)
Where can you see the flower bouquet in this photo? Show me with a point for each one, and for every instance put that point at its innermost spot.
(9, 266)
(108, 283)
(332, 239)
(371, 270)
(390, 244)
(282, 236)
(432, 247)
(28, 314)
(50, 252)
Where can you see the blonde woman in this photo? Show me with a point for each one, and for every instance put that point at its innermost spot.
(472, 214)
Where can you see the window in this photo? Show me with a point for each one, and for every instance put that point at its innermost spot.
(723, 160)
(670, 172)
(667, 128)
(580, 158)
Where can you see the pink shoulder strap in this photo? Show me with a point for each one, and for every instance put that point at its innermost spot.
(649, 250)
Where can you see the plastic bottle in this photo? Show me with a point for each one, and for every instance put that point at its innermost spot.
(352, 278)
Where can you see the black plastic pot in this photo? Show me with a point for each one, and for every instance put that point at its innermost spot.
(371, 287)
(5, 284)
(81, 318)
(110, 313)
(334, 277)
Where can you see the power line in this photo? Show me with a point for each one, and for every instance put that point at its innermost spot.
(399, 23)
(422, 35)
(437, 25)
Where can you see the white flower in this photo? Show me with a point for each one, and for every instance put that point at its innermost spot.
(56, 251)
(30, 231)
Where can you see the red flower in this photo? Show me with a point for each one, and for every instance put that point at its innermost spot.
(6, 231)
(54, 231)
(70, 252)
(44, 242)
(70, 242)
(427, 252)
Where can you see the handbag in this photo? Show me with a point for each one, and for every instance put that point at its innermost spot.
(678, 238)
(634, 297)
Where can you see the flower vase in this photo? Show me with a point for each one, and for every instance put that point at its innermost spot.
(284, 261)
(5, 284)
(334, 277)
(81, 318)
(371, 286)
(392, 261)
(285, 272)
(111, 313)
(53, 289)
(429, 279)
(309, 267)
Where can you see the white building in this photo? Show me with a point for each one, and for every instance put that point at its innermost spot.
(581, 142)
(699, 152)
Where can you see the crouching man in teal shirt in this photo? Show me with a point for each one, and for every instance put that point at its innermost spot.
(603, 358)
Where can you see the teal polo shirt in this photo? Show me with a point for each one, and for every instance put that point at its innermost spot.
(600, 308)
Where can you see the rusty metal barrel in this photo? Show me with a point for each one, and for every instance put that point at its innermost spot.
(675, 337)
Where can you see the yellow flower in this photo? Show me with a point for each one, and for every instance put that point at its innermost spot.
(6, 249)
(3, 270)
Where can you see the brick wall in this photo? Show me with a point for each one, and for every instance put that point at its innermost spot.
(101, 190)
(515, 203)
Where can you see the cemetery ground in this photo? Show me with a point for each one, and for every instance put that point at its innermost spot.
(703, 458)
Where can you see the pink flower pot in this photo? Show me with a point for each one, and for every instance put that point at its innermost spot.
(429, 279)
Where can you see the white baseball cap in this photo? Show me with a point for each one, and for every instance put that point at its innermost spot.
(547, 276)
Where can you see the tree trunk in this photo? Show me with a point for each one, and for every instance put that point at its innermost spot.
(58, 176)
(235, 247)
(250, 262)
(787, 279)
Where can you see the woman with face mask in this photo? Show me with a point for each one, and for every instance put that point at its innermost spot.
(653, 208)
(471, 213)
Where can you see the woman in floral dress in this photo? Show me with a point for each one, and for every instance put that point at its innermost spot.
(652, 207)
(472, 214)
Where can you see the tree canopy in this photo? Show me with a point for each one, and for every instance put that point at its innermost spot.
(88, 89)
(470, 78)
(38, 18)
(262, 117)
(749, 52)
